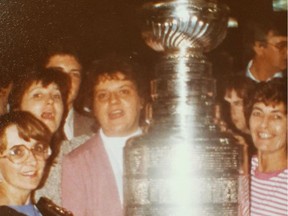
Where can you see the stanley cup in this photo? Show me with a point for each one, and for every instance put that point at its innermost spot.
(184, 165)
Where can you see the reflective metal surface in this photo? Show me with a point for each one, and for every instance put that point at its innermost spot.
(182, 24)
(184, 165)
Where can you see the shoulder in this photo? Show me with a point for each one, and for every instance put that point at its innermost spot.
(284, 175)
(68, 146)
(81, 157)
(86, 148)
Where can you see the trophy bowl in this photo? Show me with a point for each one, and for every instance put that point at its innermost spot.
(173, 25)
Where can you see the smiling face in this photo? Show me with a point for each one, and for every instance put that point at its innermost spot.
(68, 64)
(24, 176)
(117, 105)
(45, 103)
(268, 126)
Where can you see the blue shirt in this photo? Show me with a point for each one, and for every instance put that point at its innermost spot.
(29, 209)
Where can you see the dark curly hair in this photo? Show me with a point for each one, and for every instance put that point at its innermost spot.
(109, 66)
(270, 93)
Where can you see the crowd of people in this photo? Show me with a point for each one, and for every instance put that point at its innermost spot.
(50, 147)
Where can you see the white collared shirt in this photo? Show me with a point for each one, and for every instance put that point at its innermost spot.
(69, 125)
(114, 147)
(251, 76)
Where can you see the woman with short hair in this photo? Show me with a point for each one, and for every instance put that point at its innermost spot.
(266, 112)
(24, 150)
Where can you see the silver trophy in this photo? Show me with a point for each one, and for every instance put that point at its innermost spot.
(184, 165)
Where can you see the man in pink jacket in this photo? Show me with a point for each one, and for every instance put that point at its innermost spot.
(92, 183)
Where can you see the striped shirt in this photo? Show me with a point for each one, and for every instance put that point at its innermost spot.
(244, 196)
(269, 192)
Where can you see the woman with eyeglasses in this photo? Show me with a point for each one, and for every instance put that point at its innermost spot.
(24, 150)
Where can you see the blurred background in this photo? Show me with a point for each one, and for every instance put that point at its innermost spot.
(97, 27)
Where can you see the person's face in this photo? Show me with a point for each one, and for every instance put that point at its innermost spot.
(117, 106)
(236, 110)
(268, 127)
(45, 103)
(4, 93)
(274, 53)
(68, 64)
(24, 176)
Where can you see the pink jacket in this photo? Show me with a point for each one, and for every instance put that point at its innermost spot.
(88, 183)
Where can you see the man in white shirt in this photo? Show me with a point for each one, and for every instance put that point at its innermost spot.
(268, 43)
(68, 62)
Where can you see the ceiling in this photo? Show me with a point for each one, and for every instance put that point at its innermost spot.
(95, 27)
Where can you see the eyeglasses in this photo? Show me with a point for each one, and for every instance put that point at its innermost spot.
(20, 153)
(281, 46)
